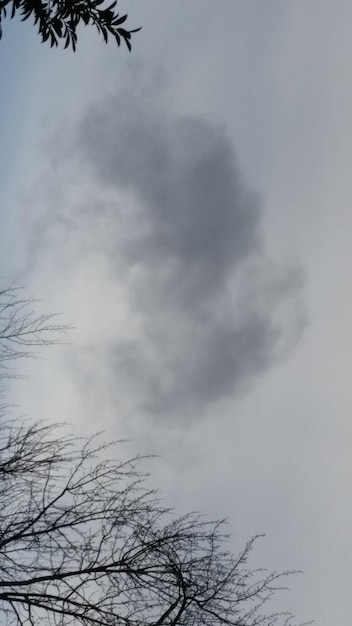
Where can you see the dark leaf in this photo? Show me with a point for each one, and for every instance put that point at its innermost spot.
(124, 33)
(128, 45)
(57, 26)
(118, 40)
(120, 20)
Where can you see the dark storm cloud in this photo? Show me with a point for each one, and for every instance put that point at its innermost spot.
(197, 211)
(188, 246)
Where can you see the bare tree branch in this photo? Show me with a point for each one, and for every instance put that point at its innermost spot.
(84, 541)
(22, 331)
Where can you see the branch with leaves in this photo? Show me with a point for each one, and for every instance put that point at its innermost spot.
(58, 20)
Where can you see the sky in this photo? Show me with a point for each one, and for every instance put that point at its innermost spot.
(187, 208)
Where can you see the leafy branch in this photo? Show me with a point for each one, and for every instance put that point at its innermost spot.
(58, 20)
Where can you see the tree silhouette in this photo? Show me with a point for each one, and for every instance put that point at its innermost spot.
(58, 20)
(84, 541)
(22, 331)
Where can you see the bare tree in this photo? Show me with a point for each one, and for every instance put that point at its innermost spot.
(22, 331)
(84, 541)
(58, 20)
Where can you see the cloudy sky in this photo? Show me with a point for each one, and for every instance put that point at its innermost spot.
(187, 207)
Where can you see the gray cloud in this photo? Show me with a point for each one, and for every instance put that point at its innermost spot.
(168, 207)
(197, 219)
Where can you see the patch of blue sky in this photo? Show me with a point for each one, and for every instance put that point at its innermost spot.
(15, 70)
(19, 54)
